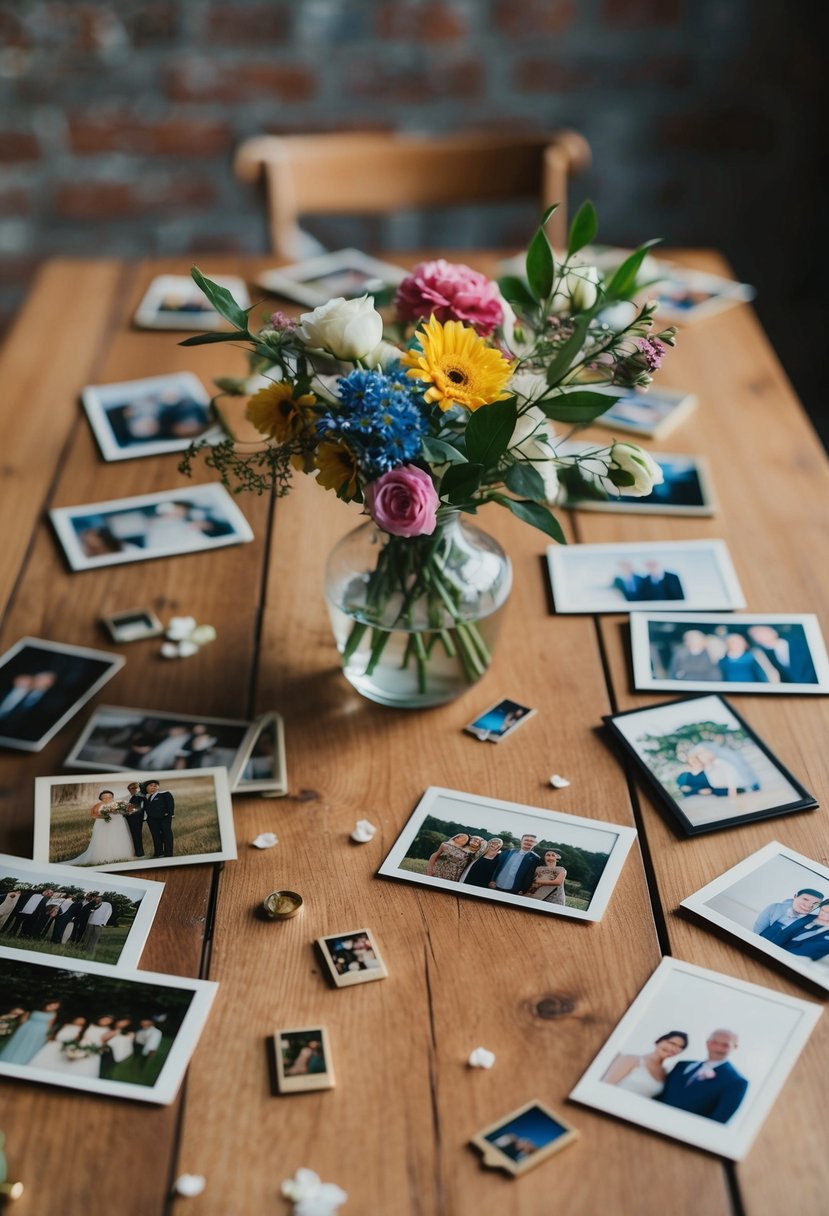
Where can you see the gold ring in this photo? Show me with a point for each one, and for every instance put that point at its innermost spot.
(280, 905)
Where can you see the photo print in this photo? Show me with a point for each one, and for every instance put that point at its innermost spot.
(129, 1034)
(684, 295)
(351, 958)
(44, 684)
(650, 414)
(149, 417)
(699, 1057)
(526, 856)
(303, 1060)
(134, 821)
(523, 1139)
(190, 519)
(705, 764)
(261, 763)
(173, 301)
(500, 720)
(685, 490)
(346, 273)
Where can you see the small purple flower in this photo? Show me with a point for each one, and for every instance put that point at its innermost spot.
(281, 320)
(653, 351)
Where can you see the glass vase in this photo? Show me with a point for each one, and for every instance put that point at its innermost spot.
(416, 618)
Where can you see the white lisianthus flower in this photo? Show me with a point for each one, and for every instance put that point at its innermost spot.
(640, 464)
(619, 315)
(311, 1196)
(532, 440)
(347, 329)
(577, 292)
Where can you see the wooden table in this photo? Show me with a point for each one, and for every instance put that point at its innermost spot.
(542, 994)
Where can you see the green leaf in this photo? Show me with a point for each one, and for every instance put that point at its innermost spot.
(548, 212)
(580, 487)
(560, 365)
(206, 339)
(540, 266)
(583, 228)
(576, 407)
(437, 451)
(622, 282)
(621, 477)
(533, 513)
(489, 431)
(516, 292)
(526, 481)
(222, 300)
(460, 482)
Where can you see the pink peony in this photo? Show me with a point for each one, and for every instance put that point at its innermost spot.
(403, 501)
(450, 292)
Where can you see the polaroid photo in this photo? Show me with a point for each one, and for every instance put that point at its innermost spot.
(525, 856)
(523, 1139)
(173, 301)
(684, 490)
(77, 1024)
(132, 625)
(650, 414)
(303, 1060)
(751, 652)
(699, 1057)
(703, 763)
(44, 684)
(261, 766)
(351, 958)
(777, 902)
(644, 575)
(149, 417)
(61, 911)
(191, 519)
(684, 295)
(347, 273)
(139, 821)
(500, 720)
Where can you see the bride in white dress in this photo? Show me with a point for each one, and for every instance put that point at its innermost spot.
(110, 840)
(89, 1065)
(646, 1075)
(52, 1055)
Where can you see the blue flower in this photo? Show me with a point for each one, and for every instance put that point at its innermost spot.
(381, 416)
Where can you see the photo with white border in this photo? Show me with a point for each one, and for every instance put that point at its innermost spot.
(173, 301)
(151, 416)
(651, 414)
(346, 273)
(684, 490)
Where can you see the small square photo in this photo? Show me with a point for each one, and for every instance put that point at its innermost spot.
(149, 417)
(303, 1060)
(523, 1139)
(347, 273)
(173, 301)
(132, 625)
(261, 763)
(500, 720)
(352, 958)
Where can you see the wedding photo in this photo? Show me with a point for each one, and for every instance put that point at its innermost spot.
(776, 901)
(685, 295)
(351, 958)
(303, 1060)
(523, 1139)
(132, 625)
(261, 762)
(646, 575)
(173, 301)
(650, 414)
(535, 859)
(149, 417)
(747, 652)
(684, 490)
(60, 911)
(44, 684)
(78, 1025)
(500, 720)
(706, 765)
(346, 273)
(139, 821)
(699, 1057)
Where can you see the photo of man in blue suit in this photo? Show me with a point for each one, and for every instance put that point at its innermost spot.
(516, 867)
(713, 1087)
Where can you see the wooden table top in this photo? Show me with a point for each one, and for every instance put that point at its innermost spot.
(542, 994)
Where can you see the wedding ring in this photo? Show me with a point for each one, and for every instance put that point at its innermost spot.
(280, 905)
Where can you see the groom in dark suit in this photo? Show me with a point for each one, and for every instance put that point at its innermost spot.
(515, 868)
(712, 1088)
(135, 816)
(159, 809)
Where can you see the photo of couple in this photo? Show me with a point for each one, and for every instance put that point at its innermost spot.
(118, 830)
(141, 740)
(147, 417)
(524, 1138)
(303, 1060)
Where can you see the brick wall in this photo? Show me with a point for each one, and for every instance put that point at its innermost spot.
(118, 120)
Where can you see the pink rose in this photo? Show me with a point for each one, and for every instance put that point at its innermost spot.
(450, 292)
(403, 501)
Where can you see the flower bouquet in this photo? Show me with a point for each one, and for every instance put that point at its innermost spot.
(113, 808)
(426, 419)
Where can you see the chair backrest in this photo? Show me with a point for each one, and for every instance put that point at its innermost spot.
(371, 173)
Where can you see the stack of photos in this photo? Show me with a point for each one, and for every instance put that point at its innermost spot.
(139, 821)
(64, 912)
(149, 417)
(83, 1025)
(699, 1057)
(523, 1139)
(756, 652)
(685, 490)
(776, 901)
(632, 577)
(346, 273)
(706, 765)
(303, 1060)
(511, 854)
(173, 301)
(650, 414)
(190, 519)
(43, 684)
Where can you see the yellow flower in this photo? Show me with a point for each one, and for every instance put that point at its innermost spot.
(459, 366)
(337, 466)
(276, 412)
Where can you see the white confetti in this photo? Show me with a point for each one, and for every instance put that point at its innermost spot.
(189, 1185)
(186, 649)
(169, 650)
(312, 1197)
(363, 831)
(481, 1058)
(203, 634)
(559, 783)
(180, 627)
(265, 840)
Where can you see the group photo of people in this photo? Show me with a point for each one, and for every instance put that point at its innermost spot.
(352, 957)
(139, 740)
(69, 921)
(147, 417)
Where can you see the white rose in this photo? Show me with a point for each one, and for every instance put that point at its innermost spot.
(382, 356)
(347, 329)
(577, 292)
(532, 440)
(640, 464)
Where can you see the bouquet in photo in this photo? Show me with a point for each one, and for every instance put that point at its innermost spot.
(80, 1051)
(113, 808)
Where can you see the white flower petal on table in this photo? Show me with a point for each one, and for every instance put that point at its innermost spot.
(481, 1058)
(559, 783)
(180, 627)
(363, 831)
(265, 840)
(311, 1196)
(189, 1185)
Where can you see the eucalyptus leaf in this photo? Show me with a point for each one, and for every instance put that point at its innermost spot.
(438, 451)
(540, 266)
(622, 284)
(207, 339)
(222, 300)
(489, 431)
(577, 407)
(533, 513)
(516, 292)
(460, 482)
(583, 228)
(525, 481)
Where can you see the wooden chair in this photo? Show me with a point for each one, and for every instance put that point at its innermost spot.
(373, 174)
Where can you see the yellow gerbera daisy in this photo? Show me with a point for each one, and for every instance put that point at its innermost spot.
(459, 366)
(337, 466)
(276, 412)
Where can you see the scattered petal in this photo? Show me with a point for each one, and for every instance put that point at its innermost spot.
(180, 627)
(481, 1058)
(169, 650)
(265, 840)
(189, 1184)
(559, 783)
(363, 831)
(186, 649)
(203, 634)
(310, 1196)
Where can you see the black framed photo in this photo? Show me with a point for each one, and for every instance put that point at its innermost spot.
(705, 764)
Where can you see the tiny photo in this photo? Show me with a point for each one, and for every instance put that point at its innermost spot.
(132, 625)
(532, 858)
(650, 414)
(705, 764)
(190, 519)
(523, 1139)
(121, 739)
(44, 684)
(61, 911)
(685, 490)
(500, 720)
(303, 1060)
(347, 273)
(77, 1024)
(776, 901)
(630, 577)
(352, 958)
(699, 1057)
(685, 295)
(756, 652)
(140, 821)
(173, 301)
(149, 417)
(261, 765)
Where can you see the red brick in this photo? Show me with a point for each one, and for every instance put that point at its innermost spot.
(152, 24)
(12, 32)
(727, 129)
(385, 83)
(637, 14)
(16, 200)
(121, 200)
(661, 71)
(119, 132)
(544, 76)
(533, 18)
(430, 22)
(96, 28)
(17, 146)
(202, 80)
(230, 25)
